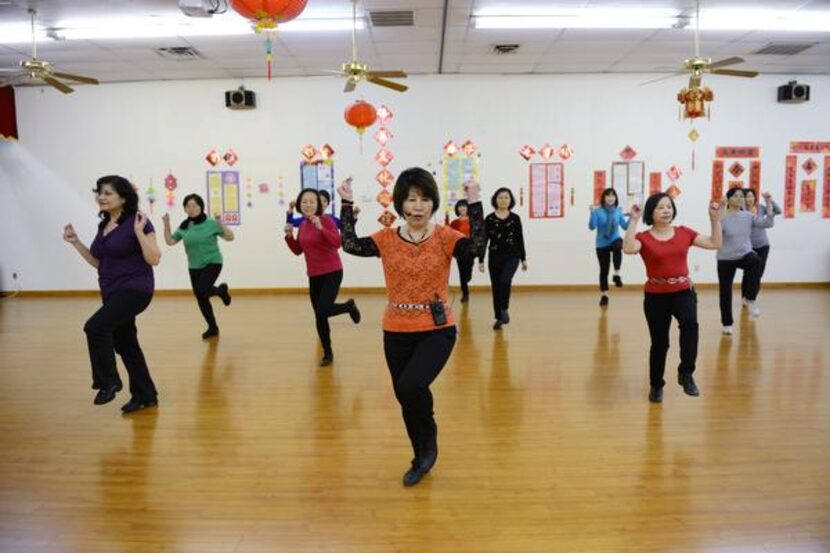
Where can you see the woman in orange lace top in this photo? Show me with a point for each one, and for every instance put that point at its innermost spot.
(418, 326)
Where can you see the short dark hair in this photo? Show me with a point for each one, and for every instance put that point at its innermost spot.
(316, 193)
(499, 191)
(125, 190)
(196, 198)
(750, 191)
(461, 203)
(325, 194)
(415, 177)
(608, 192)
(732, 191)
(651, 205)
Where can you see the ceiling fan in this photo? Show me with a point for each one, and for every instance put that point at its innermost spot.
(354, 71)
(39, 69)
(697, 66)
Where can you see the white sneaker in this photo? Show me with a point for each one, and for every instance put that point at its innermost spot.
(745, 302)
(754, 310)
(728, 330)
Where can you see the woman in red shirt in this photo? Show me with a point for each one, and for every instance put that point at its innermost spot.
(465, 266)
(418, 325)
(318, 238)
(668, 290)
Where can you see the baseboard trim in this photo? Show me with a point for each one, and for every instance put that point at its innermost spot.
(519, 288)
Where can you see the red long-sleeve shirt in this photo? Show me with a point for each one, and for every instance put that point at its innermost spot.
(319, 246)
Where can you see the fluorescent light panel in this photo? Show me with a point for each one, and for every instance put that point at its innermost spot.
(651, 18)
(159, 27)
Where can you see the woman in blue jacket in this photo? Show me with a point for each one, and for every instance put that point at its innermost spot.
(606, 219)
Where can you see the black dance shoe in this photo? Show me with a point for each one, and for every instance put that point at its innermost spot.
(210, 333)
(354, 312)
(497, 324)
(224, 294)
(465, 298)
(688, 383)
(327, 360)
(105, 395)
(414, 474)
(617, 281)
(655, 395)
(137, 404)
(505, 316)
(603, 301)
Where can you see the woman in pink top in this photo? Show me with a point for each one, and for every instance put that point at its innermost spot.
(668, 291)
(318, 238)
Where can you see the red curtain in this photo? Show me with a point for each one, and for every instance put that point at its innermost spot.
(8, 115)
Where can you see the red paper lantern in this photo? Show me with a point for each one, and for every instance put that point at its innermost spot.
(361, 115)
(266, 14)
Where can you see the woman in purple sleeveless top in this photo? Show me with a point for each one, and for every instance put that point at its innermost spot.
(124, 252)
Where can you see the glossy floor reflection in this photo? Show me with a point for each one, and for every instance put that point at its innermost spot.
(547, 441)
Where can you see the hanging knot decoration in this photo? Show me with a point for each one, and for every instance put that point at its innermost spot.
(266, 15)
(693, 105)
(693, 101)
(361, 115)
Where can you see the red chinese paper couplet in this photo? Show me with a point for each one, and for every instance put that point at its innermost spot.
(803, 147)
(808, 195)
(789, 186)
(717, 180)
(599, 185)
(755, 177)
(655, 182)
(825, 197)
(738, 151)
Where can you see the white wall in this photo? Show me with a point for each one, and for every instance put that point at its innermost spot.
(141, 130)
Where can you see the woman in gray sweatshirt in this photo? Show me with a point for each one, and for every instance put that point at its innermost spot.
(736, 253)
(758, 236)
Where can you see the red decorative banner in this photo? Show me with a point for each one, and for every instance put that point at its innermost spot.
(755, 176)
(736, 184)
(808, 196)
(803, 147)
(599, 185)
(738, 151)
(655, 183)
(789, 186)
(825, 197)
(717, 180)
(8, 114)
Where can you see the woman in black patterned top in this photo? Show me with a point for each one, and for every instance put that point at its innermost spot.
(506, 245)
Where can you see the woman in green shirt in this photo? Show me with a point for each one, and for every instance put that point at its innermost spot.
(204, 259)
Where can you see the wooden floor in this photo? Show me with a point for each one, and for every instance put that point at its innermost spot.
(547, 441)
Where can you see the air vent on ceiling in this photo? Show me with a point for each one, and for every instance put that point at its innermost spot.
(783, 48)
(180, 53)
(399, 18)
(502, 49)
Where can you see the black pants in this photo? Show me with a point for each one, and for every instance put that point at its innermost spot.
(415, 359)
(203, 280)
(465, 273)
(659, 309)
(112, 330)
(763, 253)
(502, 270)
(323, 291)
(604, 256)
(751, 264)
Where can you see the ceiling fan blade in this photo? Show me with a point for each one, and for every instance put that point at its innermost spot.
(394, 74)
(57, 84)
(77, 78)
(663, 78)
(734, 73)
(724, 63)
(350, 85)
(388, 84)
